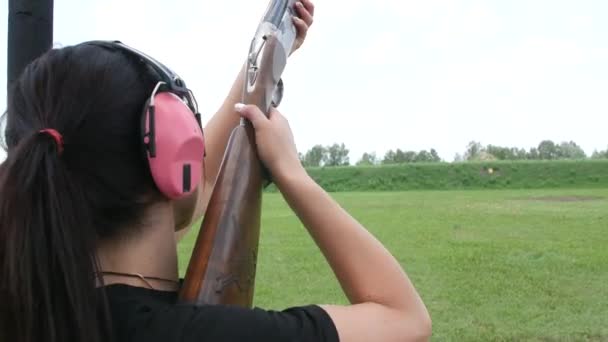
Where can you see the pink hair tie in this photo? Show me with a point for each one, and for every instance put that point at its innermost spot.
(57, 136)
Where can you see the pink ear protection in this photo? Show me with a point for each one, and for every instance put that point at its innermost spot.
(171, 131)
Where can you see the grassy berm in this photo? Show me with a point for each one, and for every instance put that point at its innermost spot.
(464, 176)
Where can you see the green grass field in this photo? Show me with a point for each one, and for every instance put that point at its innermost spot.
(492, 265)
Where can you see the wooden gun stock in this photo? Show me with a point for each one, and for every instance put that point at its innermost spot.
(223, 263)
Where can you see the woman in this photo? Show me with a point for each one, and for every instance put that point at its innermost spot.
(87, 246)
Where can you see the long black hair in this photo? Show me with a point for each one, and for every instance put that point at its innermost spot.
(56, 208)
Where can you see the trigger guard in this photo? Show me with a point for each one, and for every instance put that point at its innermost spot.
(277, 95)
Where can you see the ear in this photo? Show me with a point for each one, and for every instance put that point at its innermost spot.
(178, 145)
(183, 210)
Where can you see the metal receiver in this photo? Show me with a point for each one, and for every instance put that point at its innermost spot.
(268, 53)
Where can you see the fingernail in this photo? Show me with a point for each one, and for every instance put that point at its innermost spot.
(239, 107)
(299, 4)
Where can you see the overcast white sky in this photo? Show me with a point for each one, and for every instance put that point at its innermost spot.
(385, 74)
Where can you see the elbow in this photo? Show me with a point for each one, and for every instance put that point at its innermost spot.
(419, 328)
(426, 329)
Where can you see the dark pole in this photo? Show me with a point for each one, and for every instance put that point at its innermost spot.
(30, 33)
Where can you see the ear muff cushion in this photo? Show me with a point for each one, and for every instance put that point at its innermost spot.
(178, 164)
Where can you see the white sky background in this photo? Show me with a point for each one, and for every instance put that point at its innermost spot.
(386, 74)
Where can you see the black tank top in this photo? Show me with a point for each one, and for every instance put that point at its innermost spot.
(140, 314)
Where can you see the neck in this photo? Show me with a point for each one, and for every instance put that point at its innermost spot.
(150, 252)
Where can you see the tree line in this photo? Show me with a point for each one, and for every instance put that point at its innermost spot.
(338, 154)
(546, 150)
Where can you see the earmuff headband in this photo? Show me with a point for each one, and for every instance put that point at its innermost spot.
(171, 131)
(173, 82)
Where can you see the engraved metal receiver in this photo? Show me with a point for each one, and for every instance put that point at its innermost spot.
(268, 55)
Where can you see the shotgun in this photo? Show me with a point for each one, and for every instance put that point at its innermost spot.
(223, 263)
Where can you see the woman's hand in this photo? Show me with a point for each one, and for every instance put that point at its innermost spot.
(274, 140)
(303, 21)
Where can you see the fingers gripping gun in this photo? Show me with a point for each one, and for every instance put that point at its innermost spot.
(223, 263)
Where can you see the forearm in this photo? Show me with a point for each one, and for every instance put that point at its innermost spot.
(218, 129)
(366, 271)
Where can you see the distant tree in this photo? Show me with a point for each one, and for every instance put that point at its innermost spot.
(547, 150)
(485, 156)
(600, 154)
(315, 157)
(458, 158)
(506, 153)
(435, 156)
(368, 159)
(474, 148)
(424, 157)
(337, 155)
(400, 157)
(389, 157)
(409, 157)
(533, 154)
(501, 153)
(570, 150)
(519, 153)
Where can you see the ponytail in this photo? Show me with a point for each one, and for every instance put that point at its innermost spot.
(47, 249)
